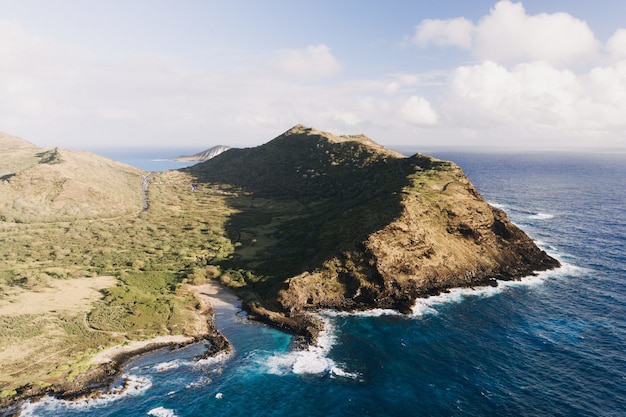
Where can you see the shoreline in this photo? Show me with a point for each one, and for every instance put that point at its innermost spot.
(109, 364)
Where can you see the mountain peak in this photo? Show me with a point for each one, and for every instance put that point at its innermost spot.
(300, 130)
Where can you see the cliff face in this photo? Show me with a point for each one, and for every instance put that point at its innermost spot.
(341, 222)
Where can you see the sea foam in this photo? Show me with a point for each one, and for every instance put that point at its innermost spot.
(424, 306)
(313, 360)
(541, 216)
(161, 412)
(133, 386)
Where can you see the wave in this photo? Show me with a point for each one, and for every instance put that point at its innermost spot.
(424, 306)
(201, 382)
(161, 412)
(213, 360)
(132, 386)
(167, 366)
(541, 216)
(374, 312)
(313, 360)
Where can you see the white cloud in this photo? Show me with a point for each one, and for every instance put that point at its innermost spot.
(452, 32)
(417, 110)
(616, 45)
(531, 94)
(537, 104)
(508, 35)
(311, 62)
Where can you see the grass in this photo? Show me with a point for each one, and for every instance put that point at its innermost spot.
(153, 255)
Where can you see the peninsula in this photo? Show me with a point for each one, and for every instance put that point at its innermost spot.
(306, 221)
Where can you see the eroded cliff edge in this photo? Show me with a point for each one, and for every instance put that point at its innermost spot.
(325, 221)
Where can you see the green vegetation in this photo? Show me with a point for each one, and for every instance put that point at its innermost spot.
(154, 256)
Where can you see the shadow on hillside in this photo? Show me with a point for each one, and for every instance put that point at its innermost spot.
(309, 213)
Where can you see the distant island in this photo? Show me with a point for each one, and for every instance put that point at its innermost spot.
(204, 155)
(306, 221)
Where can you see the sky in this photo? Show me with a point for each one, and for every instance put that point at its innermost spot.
(91, 74)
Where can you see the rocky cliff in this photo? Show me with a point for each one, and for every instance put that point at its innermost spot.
(325, 221)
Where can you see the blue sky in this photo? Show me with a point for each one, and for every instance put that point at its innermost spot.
(88, 74)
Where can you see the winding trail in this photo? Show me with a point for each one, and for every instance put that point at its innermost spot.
(145, 185)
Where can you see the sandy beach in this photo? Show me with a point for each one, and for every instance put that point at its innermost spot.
(217, 295)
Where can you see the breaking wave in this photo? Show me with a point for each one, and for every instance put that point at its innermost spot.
(313, 360)
(161, 412)
(133, 386)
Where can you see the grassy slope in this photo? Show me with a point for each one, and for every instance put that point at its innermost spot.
(90, 228)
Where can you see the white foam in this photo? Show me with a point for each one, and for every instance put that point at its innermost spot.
(161, 412)
(498, 205)
(133, 386)
(213, 360)
(313, 360)
(205, 380)
(541, 216)
(166, 366)
(424, 306)
(374, 312)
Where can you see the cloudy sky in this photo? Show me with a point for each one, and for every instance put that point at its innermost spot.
(88, 74)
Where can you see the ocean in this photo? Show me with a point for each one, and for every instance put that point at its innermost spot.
(550, 345)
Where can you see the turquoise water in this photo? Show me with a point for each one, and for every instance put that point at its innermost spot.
(551, 345)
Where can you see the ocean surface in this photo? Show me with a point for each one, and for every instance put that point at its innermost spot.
(551, 345)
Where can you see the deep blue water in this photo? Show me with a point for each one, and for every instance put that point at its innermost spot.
(553, 345)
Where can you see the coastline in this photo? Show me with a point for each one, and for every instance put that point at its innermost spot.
(108, 364)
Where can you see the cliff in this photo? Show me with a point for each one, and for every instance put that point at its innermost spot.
(325, 221)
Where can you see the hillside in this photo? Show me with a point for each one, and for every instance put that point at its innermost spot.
(45, 184)
(325, 221)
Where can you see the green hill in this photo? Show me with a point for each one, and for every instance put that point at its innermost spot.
(339, 221)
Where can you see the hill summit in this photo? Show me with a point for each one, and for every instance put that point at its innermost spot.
(325, 221)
